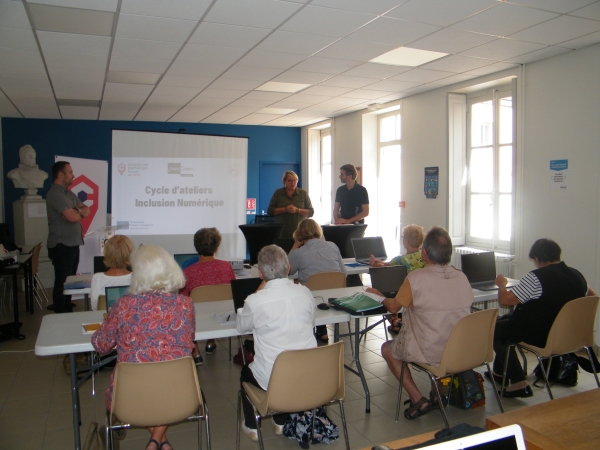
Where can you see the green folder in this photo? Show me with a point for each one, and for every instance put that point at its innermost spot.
(356, 303)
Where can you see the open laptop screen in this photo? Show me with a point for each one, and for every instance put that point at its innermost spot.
(365, 247)
(242, 288)
(388, 280)
(183, 258)
(113, 293)
(479, 267)
(505, 438)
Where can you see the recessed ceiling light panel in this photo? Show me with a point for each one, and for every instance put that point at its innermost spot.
(406, 56)
(276, 111)
(277, 86)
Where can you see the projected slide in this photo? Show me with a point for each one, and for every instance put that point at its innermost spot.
(170, 184)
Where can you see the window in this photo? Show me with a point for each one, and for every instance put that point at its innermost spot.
(490, 161)
(388, 210)
(320, 172)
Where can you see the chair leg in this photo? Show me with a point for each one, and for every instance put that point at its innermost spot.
(440, 401)
(257, 420)
(495, 387)
(523, 358)
(385, 328)
(589, 352)
(343, 416)
(314, 413)
(504, 371)
(399, 401)
(206, 420)
(38, 282)
(239, 421)
(545, 373)
(350, 337)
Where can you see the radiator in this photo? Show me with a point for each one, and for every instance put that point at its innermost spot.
(503, 260)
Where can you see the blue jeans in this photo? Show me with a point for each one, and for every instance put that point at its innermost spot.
(65, 261)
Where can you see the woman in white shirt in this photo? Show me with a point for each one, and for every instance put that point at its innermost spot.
(117, 252)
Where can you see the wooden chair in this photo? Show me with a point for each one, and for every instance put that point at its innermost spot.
(156, 393)
(301, 380)
(326, 280)
(572, 330)
(470, 345)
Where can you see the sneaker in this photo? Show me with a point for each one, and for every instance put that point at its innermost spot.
(209, 348)
(250, 432)
(278, 428)
(198, 360)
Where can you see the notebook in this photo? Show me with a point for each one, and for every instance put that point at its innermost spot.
(388, 280)
(113, 293)
(505, 438)
(183, 258)
(480, 269)
(242, 288)
(365, 247)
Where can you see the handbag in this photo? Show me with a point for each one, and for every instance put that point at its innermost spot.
(563, 370)
(299, 427)
(467, 390)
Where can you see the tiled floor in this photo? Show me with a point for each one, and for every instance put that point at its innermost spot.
(35, 400)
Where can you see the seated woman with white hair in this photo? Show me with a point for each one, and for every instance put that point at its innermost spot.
(151, 323)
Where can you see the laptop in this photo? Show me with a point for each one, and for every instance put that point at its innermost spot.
(480, 269)
(365, 247)
(113, 293)
(183, 259)
(242, 288)
(388, 280)
(505, 438)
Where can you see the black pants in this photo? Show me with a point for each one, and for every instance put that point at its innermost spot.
(65, 261)
(248, 377)
(514, 371)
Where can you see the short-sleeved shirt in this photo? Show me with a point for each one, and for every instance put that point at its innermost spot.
(412, 261)
(206, 273)
(60, 230)
(280, 199)
(351, 200)
(315, 256)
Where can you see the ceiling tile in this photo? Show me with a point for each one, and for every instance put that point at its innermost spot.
(300, 43)
(394, 32)
(79, 44)
(156, 113)
(139, 48)
(175, 80)
(583, 41)
(439, 12)
(153, 28)
(118, 111)
(452, 80)
(255, 104)
(266, 95)
(224, 35)
(252, 13)
(290, 105)
(7, 109)
(144, 65)
(307, 98)
(297, 76)
(559, 6)
(36, 108)
(201, 53)
(326, 21)
(378, 71)
(326, 90)
(422, 75)
(132, 77)
(78, 91)
(96, 5)
(222, 94)
(192, 114)
(326, 65)
(558, 30)
(192, 68)
(354, 50)
(364, 94)
(492, 68)
(171, 95)
(589, 12)
(370, 7)
(348, 81)
(75, 61)
(126, 93)
(71, 20)
(251, 73)
(392, 85)
(79, 112)
(274, 60)
(256, 119)
(240, 84)
(21, 61)
(174, 9)
(13, 15)
(450, 40)
(537, 55)
(504, 19)
(502, 49)
(456, 64)
(17, 38)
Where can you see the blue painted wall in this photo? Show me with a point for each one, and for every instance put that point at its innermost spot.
(92, 139)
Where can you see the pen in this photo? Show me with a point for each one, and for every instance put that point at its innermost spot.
(228, 318)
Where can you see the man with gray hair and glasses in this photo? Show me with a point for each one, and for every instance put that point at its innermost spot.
(281, 315)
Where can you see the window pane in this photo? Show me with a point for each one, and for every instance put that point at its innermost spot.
(482, 169)
(505, 217)
(482, 130)
(506, 121)
(326, 194)
(326, 150)
(389, 128)
(481, 214)
(505, 169)
(389, 196)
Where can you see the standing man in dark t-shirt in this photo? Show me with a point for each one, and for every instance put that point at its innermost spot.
(352, 199)
(65, 212)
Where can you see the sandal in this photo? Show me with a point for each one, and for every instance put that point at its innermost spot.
(395, 326)
(165, 443)
(155, 442)
(434, 402)
(415, 409)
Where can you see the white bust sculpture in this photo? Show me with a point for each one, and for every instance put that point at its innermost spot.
(27, 176)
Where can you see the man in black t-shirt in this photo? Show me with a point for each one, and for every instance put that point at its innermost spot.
(352, 199)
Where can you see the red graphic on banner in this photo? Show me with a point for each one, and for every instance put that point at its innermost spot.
(87, 193)
(250, 203)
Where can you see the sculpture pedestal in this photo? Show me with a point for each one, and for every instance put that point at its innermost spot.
(31, 223)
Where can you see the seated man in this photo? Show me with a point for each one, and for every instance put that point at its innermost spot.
(434, 298)
(538, 297)
(281, 315)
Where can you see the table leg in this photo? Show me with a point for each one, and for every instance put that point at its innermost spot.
(358, 366)
(75, 401)
(86, 302)
(16, 306)
(336, 332)
(28, 279)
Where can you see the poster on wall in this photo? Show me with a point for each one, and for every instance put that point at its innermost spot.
(90, 185)
(431, 182)
(558, 173)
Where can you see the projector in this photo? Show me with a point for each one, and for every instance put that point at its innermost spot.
(236, 264)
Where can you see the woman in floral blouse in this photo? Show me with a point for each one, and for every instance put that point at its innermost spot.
(150, 323)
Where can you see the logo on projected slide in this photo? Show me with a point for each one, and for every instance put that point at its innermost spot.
(174, 169)
(87, 193)
(121, 168)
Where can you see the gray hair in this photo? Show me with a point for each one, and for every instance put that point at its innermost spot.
(154, 270)
(438, 246)
(273, 262)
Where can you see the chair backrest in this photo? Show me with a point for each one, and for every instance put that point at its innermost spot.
(35, 258)
(305, 379)
(573, 327)
(101, 305)
(470, 342)
(155, 393)
(326, 280)
(211, 293)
